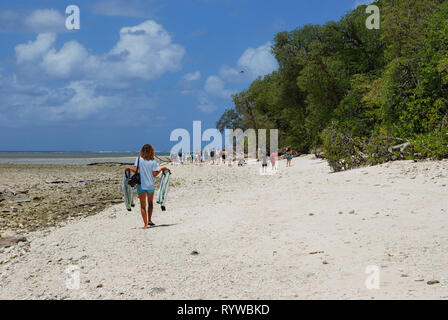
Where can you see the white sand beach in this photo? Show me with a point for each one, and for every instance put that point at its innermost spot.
(304, 233)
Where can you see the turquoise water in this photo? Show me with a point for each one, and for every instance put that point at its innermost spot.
(70, 157)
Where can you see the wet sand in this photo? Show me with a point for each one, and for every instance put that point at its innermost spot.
(35, 196)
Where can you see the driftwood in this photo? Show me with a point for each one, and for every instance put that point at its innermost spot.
(110, 164)
(10, 241)
(400, 147)
(318, 153)
(79, 181)
(162, 161)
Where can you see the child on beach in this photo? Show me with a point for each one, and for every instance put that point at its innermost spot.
(148, 169)
(288, 157)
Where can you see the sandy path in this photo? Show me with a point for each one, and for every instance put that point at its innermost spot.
(254, 235)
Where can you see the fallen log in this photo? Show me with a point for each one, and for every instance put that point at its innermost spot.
(56, 182)
(10, 241)
(80, 181)
(400, 147)
(110, 164)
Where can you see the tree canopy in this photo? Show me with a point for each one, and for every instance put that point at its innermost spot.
(342, 79)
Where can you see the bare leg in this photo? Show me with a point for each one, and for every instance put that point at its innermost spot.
(150, 207)
(142, 197)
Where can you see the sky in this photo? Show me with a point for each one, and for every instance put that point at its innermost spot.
(136, 69)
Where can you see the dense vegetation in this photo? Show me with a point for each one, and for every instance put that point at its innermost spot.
(354, 92)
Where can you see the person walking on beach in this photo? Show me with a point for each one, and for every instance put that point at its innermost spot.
(264, 162)
(288, 157)
(218, 156)
(148, 169)
(223, 156)
(207, 156)
(230, 158)
(274, 160)
(212, 156)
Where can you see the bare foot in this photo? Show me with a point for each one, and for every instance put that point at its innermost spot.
(145, 227)
(151, 223)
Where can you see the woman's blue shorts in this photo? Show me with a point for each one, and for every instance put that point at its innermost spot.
(139, 190)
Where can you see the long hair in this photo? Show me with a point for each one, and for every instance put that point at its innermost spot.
(147, 152)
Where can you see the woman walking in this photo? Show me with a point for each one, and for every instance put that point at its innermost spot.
(274, 157)
(148, 169)
(264, 162)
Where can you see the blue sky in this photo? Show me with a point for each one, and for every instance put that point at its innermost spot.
(137, 69)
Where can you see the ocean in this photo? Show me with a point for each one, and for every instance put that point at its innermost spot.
(76, 158)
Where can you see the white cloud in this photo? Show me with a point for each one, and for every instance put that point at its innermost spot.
(79, 100)
(253, 63)
(45, 20)
(205, 105)
(215, 87)
(71, 61)
(82, 103)
(259, 61)
(38, 21)
(143, 52)
(90, 86)
(35, 49)
(192, 76)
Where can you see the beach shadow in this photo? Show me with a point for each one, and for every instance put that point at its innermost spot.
(162, 225)
(157, 226)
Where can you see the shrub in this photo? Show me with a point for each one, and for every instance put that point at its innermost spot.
(341, 149)
(430, 146)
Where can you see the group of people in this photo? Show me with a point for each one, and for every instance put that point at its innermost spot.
(217, 157)
(273, 159)
(214, 156)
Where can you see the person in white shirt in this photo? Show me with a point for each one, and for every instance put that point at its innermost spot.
(148, 169)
